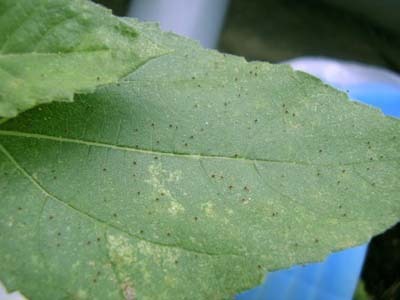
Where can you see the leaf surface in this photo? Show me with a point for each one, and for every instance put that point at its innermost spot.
(51, 49)
(189, 179)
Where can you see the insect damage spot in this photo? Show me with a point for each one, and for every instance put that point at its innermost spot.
(128, 291)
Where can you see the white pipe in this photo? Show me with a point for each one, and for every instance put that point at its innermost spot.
(201, 20)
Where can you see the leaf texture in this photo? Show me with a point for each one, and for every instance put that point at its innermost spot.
(189, 179)
(51, 49)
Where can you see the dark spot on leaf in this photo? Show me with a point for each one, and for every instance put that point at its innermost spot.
(157, 199)
(98, 78)
(196, 218)
(373, 184)
(152, 124)
(141, 231)
(186, 144)
(104, 169)
(162, 194)
(169, 234)
(191, 137)
(338, 182)
(58, 244)
(157, 142)
(371, 158)
(213, 176)
(344, 215)
(286, 111)
(88, 242)
(19, 208)
(176, 262)
(320, 151)
(58, 233)
(316, 240)
(259, 266)
(51, 217)
(343, 171)
(193, 78)
(138, 193)
(134, 162)
(255, 121)
(170, 125)
(230, 187)
(155, 157)
(94, 280)
(98, 239)
(115, 215)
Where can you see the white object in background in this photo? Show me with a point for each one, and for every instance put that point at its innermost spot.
(342, 73)
(200, 20)
(12, 296)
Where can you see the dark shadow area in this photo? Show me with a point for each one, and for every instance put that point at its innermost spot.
(278, 30)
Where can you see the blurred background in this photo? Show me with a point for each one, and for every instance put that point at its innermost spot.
(352, 45)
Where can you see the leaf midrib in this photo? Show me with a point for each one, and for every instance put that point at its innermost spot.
(197, 156)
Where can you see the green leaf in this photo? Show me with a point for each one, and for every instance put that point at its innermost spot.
(51, 49)
(190, 179)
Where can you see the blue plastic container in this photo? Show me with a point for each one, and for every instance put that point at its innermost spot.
(336, 278)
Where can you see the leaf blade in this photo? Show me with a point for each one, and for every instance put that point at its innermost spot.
(187, 200)
(51, 49)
